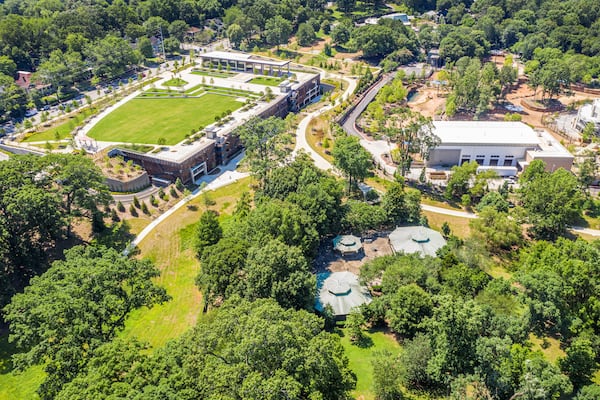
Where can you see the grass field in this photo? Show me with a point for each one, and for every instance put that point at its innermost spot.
(169, 247)
(147, 120)
(61, 129)
(267, 81)
(360, 360)
(460, 226)
(175, 82)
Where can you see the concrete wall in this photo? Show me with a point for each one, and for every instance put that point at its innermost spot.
(517, 152)
(552, 162)
(132, 185)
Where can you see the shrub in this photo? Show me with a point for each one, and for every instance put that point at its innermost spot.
(132, 210)
(136, 202)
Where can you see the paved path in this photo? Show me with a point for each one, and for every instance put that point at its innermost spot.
(143, 195)
(445, 211)
(302, 143)
(586, 231)
(228, 175)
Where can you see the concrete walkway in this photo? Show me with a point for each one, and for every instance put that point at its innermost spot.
(226, 176)
(445, 211)
(301, 131)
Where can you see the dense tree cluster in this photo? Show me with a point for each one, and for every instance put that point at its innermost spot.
(245, 351)
(39, 197)
(76, 306)
(462, 329)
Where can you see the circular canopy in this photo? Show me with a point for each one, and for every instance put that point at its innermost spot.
(340, 290)
(347, 244)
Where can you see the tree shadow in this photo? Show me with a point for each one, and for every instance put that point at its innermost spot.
(117, 236)
(364, 342)
(6, 351)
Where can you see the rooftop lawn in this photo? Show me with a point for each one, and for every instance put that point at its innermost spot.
(266, 80)
(147, 120)
(216, 74)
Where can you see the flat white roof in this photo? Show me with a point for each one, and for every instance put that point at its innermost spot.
(485, 133)
(233, 56)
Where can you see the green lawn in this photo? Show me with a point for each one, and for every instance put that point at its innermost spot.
(62, 128)
(169, 246)
(360, 360)
(147, 120)
(175, 82)
(17, 386)
(216, 74)
(267, 81)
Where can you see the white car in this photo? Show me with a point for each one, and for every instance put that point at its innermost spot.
(31, 113)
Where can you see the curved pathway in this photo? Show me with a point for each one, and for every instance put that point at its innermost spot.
(302, 143)
(228, 175)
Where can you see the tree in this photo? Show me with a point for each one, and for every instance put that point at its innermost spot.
(459, 181)
(580, 362)
(305, 34)
(221, 264)
(247, 351)
(346, 6)
(352, 159)
(413, 134)
(590, 392)
(341, 33)
(355, 322)
(360, 217)
(266, 142)
(496, 229)
(83, 300)
(208, 232)
(78, 181)
(278, 30)
(413, 361)
(281, 272)
(386, 376)
(495, 200)
(7, 66)
(407, 308)
(110, 56)
(145, 47)
(400, 206)
(552, 200)
(178, 29)
(171, 45)
(235, 33)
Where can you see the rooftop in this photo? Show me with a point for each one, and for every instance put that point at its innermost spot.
(233, 56)
(485, 132)
(416, 239)
(342, 291)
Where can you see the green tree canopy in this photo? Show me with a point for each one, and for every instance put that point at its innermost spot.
(74, 307)
(352, 159)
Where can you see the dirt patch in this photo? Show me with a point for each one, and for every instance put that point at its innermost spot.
(330, 260)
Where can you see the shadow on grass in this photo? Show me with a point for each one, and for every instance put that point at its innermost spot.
(116, 236)
(6, 351)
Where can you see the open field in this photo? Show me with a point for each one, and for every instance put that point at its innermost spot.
(460, 226)
(360, 359)
(147, 120)
(169, 247)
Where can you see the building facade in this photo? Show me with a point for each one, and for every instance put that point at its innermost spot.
(506, 147)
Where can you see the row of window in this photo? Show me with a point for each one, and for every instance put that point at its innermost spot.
(494, 160)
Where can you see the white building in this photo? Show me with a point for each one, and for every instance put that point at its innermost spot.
(505, 147)
(588, 113)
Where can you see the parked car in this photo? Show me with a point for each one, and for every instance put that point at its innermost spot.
(31, 113)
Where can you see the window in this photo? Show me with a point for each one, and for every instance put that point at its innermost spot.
(508, 162)
(464, 160)
(494, 162)
(479, 159)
